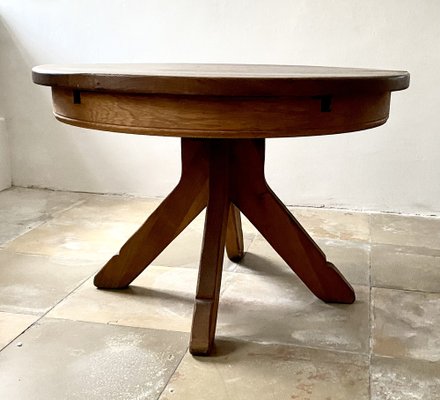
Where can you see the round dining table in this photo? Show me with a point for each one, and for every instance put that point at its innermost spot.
(223, 113)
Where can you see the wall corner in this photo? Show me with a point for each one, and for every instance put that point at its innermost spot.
(5, 157)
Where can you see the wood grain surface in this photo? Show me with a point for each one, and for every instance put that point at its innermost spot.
(220, 117)
(220, 79)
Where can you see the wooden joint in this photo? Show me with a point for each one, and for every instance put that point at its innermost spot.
(326, 102)
(76, 97)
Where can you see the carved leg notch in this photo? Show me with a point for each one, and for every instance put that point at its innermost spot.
(211, 262)
(289, 239)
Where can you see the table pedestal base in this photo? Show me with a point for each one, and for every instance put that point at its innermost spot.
(224, 175)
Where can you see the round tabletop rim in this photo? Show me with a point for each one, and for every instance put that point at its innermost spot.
(319, 81)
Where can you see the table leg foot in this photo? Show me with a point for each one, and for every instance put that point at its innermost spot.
(234, 235)
(211, 261)
(183, 204)
(268, 214)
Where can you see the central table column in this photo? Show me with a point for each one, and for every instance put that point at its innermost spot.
(224, 175)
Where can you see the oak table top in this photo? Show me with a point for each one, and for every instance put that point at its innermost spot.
(223, 113)
(220, 79)
(219, 100)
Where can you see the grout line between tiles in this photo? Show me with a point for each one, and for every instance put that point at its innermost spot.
(78, 203)
(50, 217)
(295, 345)
(18, 335)
(234, 271)
(403, 358)
(405, 290)
(82, 282)
(5, 245)
(172, 374)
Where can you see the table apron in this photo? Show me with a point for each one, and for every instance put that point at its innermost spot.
(219, 116)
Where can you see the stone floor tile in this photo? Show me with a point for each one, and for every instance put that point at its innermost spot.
(404, 230)
(12, 325)
(160, 298)
(10, 231)
(404, 379)
(334, 224)
(33, 284)
(102, 208)
(185, 251)
(82, 240)
(51, 241)
(404, 267)
(351, 258)
(84, 233)
(243, 371)
(107, 208)
(261, 258)
(199, 223)
(406, 324)
(76, 360)
(23, 205)
(23, 209)
(280, 309)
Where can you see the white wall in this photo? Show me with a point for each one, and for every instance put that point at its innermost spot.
(392, 168)
(5, 153)
(5, 164)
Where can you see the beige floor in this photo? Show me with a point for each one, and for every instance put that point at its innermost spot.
(61, 338)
